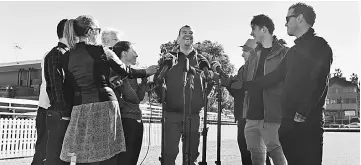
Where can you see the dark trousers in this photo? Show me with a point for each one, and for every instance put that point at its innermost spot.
(133, 133)
(41, 132)
(173, 132)
(56, 131)
(303, 143)
(241, 139)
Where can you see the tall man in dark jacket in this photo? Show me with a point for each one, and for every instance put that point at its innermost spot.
(44, 104)
(60, 96)
(174, 98)
(305, 71)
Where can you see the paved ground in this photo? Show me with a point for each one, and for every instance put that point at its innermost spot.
(341, 148)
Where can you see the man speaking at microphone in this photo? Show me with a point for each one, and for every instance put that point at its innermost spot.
(174, 98)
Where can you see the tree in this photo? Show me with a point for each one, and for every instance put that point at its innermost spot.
(354, 78)
(213, 51)
(338, 73)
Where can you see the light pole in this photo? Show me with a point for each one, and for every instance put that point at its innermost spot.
(17, 49)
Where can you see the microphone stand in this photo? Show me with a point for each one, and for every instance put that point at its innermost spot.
(191, 87)
(163, 87)
(184, 132)
(219, 96)
(205, 129)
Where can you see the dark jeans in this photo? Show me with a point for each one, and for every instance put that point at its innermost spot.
(56, 131)
(41, 132)
(133, 132)
(241, 139)
(302, 143)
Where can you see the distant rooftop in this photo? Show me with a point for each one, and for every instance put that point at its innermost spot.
(15, 66)
(341, 81)
(28, 62)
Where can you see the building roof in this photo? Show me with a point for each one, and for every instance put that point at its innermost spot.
(15, 66)
(341, 82)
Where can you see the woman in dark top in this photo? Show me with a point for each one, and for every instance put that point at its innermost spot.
(132, 94)
(95, 132)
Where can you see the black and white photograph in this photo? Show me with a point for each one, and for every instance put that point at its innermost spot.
(180, 82)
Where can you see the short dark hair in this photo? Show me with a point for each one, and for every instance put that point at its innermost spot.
(263, 21)
(120, 47)
(60, 28)
(187, 26)
(306, 10)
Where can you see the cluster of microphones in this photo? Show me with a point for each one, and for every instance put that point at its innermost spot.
(170, 60)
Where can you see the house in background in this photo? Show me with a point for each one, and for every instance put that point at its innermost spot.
(20, 79)
(342, 102)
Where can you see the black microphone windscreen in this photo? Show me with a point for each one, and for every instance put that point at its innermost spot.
(203, 64)
(192, 71)
(214, 65)
(168, 62)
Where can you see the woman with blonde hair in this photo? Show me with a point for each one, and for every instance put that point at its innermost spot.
(95, 132)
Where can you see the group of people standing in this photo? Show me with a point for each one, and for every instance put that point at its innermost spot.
(279, 93)
(89, 101)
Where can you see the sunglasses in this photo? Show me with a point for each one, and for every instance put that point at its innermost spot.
(97, 29)
(289, 17)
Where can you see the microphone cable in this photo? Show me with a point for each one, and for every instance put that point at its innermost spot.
(150, 123)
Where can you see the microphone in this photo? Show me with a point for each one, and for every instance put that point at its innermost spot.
(204, 66)
(167, 64)
(216, 67)
(185, 70)
(192, 71)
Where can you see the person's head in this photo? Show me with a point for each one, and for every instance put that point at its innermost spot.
(261, 25)
(60, 28)
(84, 28)
(299, 17)
(247, 48)
(126, 52)
(110, 37)
(185, 36)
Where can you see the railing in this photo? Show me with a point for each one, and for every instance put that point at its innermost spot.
(23, 108)
(18, 107)
(18, 135)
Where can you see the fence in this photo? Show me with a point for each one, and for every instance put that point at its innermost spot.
(18, 137)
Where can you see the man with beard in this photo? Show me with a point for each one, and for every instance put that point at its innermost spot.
(174, 98)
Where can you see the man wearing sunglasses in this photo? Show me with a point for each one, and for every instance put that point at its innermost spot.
(305, 72)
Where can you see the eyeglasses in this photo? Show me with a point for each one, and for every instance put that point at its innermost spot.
(97, 29)
(91, 28)
(289, 17)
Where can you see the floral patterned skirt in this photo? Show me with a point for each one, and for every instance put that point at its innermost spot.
(95, 133)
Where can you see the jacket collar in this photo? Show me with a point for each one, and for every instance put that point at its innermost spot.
(308, 34)
(191, 54)
(277, 47)
(62, 45)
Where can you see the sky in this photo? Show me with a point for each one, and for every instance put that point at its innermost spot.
(32, 26)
